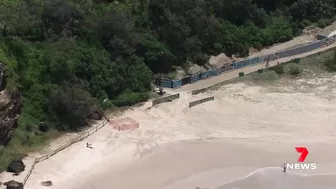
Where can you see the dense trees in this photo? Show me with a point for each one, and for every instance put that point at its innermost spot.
(66, 55)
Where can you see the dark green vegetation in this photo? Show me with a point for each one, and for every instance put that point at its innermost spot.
(63, 56)
(279, 69)
(294, 69)
(331, 63)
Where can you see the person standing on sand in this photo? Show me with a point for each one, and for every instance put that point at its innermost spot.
(268, 60)
(284, 167)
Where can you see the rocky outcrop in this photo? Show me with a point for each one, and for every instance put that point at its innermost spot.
(46, 183)
(10, 108)
(13, 185)
(9, 115)
(16, 166)
(44, 127)
(95, 113)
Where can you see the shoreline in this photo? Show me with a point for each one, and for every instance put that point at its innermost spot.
(206, 177)
(211, 173)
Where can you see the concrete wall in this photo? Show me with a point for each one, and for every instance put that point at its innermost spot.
(201, 101)
(165, 99)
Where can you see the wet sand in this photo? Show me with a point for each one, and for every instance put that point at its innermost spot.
(215, 162)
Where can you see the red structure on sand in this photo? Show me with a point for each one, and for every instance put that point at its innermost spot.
(126, 123)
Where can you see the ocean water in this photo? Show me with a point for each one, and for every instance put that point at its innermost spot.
(275, 178)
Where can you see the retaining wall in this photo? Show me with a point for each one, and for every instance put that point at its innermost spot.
(165, 99)
(201, 101)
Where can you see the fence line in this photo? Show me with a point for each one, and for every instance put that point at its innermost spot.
(197, 102)
(165, 99)
(79, 138)
(247, 62)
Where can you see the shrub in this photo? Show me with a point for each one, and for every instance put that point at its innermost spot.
(241, 74)
(261, 70)
(279, 69)
(269, 75)
(107, 104)
(331, 65)
(294, 69)
(130, 98)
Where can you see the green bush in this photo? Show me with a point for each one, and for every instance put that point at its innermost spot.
(129, 98)
(293, 69)
(261, 70)
(268, 75)
(241, 74)
(324, 22)
(107, 104)
(331, 65)
(297, 60)
(279, 69)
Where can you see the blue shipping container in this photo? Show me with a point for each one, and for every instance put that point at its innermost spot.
(166, 83)
(177, 83)
(214, 72)
(205, 74)
(195, 78)
(255, 60)
(236, 65)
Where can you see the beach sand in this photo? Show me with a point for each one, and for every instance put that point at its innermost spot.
(209, 164)
(238, 141)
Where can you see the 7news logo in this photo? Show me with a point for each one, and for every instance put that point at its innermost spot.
(301, 165)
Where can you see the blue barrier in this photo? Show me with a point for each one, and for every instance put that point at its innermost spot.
(222, 69)
(166, 83)
(236, 65)
(205, 74)
(242, 63)
(214, 72)
(195, 78)
(263, 58)
(177, 83)
(255, 60)
(246, 62)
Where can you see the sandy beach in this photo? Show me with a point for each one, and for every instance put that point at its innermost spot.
(240, 140)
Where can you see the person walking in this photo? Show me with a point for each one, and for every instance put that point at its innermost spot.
(284, 167)
(267, 61)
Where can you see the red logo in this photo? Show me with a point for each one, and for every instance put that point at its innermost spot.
(304, 153)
